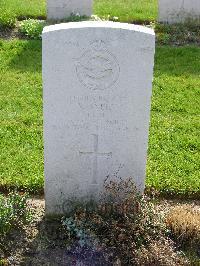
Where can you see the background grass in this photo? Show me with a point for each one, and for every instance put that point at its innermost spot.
(173, 161)
(126, 10)
(24, 8)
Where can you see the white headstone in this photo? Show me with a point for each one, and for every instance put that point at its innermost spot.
(61, 9)
(97, 79)
(179, 11)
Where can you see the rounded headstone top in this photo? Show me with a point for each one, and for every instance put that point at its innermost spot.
(98, 24)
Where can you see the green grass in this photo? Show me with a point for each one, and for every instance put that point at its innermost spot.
(173, 161)
(21, 114)
(126, 10)
(24, 8)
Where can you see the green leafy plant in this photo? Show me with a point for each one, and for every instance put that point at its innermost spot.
(13, 212)
(7, 19)
(32, 28)
(75, 230)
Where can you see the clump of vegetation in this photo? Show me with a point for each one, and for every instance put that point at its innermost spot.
(177, 34)
(159, 252)
(32, 28)
(184, 224)
(72, 18)
(7, 20)
(76, 18)
(122, 225)
(13, 212)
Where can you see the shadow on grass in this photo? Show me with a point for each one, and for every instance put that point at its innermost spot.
(27, 56)
(173, 61)
(177, 61)
(28, 16)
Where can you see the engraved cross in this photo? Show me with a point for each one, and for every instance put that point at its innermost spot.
(95, 154)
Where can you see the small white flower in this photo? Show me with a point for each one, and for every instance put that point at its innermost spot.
(115, 18)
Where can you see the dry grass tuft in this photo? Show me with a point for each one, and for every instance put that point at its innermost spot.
(184, 223)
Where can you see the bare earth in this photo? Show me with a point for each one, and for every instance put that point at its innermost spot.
(44, 243)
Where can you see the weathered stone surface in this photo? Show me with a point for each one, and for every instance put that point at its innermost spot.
(97, 79)
(60, 9)
(179, 11)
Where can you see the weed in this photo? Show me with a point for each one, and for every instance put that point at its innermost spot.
(32, 28)
(13, 212)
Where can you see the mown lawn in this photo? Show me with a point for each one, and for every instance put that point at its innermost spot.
(24, 8)
(173, 160)
(126, 10)
(21, 114)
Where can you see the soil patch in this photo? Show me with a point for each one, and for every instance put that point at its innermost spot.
(44, 242)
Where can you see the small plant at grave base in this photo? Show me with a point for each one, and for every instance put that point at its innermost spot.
(123, 224)
(7, 20)
(32, 28)
(75, 18)
(72, 18)
(13, 212)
